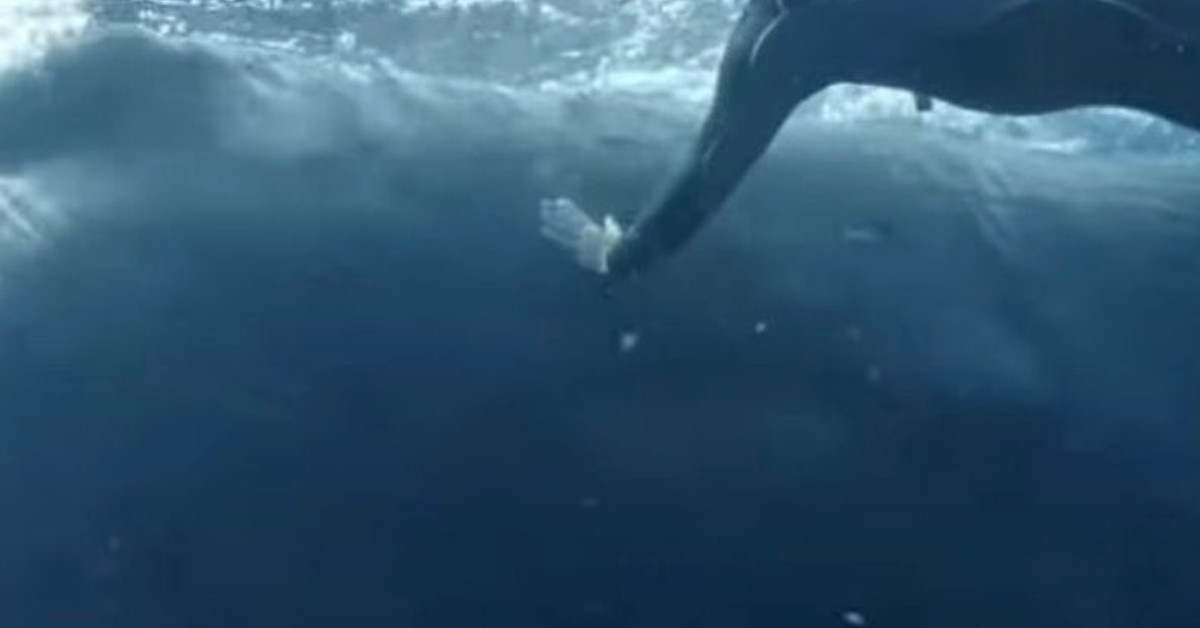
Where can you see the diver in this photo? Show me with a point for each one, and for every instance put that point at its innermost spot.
(997, 56)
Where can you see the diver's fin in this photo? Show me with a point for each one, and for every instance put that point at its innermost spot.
(589, 242)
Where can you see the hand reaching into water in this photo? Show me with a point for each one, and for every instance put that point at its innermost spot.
(589, 242)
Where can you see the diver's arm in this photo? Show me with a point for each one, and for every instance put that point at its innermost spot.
(757, 89)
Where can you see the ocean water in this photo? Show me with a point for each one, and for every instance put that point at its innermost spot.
(280, 344)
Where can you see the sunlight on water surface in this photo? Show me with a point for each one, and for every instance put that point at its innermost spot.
(29, 27)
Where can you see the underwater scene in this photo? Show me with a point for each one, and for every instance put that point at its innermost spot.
(286, 342)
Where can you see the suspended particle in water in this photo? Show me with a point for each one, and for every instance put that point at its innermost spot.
(760, 327)
(595, 607)
(854, 618)
(870, 233)
(874, 374)
(628, 341)
(860, 234)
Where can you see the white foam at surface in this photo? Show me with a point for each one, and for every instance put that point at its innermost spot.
(662, 51)
(29, 27)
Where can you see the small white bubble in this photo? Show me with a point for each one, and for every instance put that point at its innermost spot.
(628, 341)
(760, 327)
(854, 618)
(346, 41)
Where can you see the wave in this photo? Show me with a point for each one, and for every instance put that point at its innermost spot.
(655, 50)
(290, 340)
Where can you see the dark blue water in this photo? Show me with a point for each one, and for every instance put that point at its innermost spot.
(292, 354)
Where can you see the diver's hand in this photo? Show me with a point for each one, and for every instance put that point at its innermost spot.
(589, 242)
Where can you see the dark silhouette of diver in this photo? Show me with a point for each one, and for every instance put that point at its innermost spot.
(997, 56)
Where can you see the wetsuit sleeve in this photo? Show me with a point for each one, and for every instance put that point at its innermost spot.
(757, 88)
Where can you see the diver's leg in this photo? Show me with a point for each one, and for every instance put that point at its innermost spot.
(1154, 52)
(1137, 53)
(757, 88)
(1049, 55)
(1189, 114)
(1168, 84)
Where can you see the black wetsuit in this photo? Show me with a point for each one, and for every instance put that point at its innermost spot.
(999, 56)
